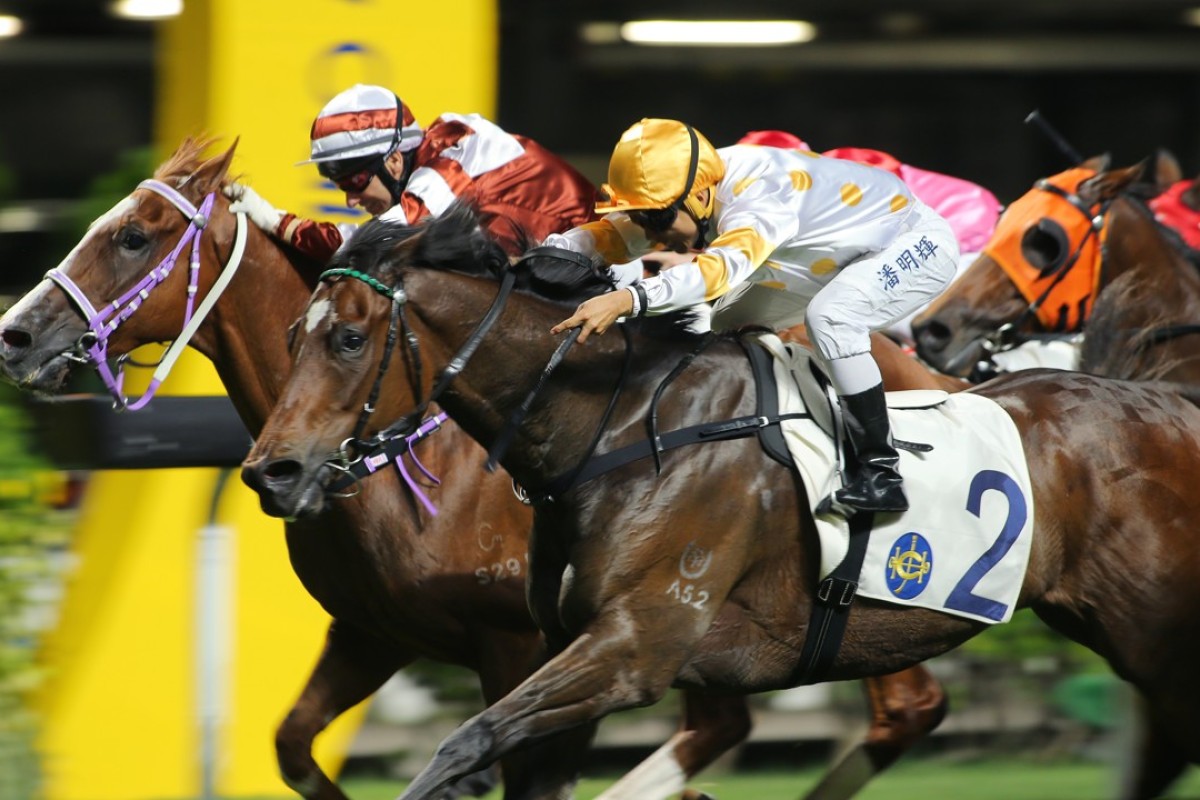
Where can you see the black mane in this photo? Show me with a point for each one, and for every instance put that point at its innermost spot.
(455, 242)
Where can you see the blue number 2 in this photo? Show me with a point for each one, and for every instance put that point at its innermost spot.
(961, 598)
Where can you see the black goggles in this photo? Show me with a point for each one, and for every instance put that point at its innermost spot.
(350, 173)
(655, 220)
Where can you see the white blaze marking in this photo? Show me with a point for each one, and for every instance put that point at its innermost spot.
(97, 228)
(316, 312)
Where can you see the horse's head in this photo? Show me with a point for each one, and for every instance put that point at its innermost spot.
(363, 356)
(1040, 272)
(121, 265)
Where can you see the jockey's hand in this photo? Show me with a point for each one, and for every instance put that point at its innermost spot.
(597, 314)
(659, 260)
(261, 213)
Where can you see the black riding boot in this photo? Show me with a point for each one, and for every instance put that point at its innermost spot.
(872, 481)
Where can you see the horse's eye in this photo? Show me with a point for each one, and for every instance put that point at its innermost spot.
(352, 342)
(133, 240)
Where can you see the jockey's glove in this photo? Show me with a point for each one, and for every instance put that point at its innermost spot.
(261, 213)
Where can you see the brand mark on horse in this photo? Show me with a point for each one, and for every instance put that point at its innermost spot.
(695, 561)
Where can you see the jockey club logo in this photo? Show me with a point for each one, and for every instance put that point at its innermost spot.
(695, 561)
(909, 567)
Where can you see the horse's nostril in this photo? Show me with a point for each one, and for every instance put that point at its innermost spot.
(272, 475)
(282, 470)
(16, 338)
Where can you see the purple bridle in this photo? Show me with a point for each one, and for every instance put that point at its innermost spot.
(92, 346)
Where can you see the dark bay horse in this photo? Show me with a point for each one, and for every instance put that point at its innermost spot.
(1115, 562)
(399, 583)
(1054, 251)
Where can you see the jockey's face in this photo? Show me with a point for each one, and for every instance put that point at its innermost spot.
(374, 198)
(680, 237)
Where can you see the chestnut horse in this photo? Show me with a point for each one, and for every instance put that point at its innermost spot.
(1146, 324)
(399, 583)
(1115, 561)
(1064, 240)
(1141, 326)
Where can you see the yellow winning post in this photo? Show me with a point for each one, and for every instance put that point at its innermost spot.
(130, 687)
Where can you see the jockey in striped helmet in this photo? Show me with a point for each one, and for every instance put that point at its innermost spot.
(367, 142)
(357, 133)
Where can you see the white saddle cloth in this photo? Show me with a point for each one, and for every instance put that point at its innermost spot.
(963, 545)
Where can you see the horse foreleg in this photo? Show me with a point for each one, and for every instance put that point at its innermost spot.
(351, 667)
(602, 671)
(549, 769)
(1157, 760)
(905, 706)
(712, 724)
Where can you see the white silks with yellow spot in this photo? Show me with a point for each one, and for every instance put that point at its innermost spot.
(785, 225)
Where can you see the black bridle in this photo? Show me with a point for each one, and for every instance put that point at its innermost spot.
(355, 448)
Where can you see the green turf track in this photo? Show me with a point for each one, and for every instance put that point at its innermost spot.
(1015, 779)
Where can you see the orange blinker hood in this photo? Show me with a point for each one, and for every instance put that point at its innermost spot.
(1064, 290)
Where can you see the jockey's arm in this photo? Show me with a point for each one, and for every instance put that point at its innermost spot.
(613, 241)
(318, 240)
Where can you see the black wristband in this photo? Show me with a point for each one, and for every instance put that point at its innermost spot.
(643, 301)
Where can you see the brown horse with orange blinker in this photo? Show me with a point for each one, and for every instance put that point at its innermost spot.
(1142, 325)
(1146, 324)
(1053, 252)
(399, 583)
(1111, 464)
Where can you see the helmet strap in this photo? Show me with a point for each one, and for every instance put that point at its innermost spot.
(395, 186)
(700, 213)
(693, 164)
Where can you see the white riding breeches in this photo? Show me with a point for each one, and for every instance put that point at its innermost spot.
(874, 291)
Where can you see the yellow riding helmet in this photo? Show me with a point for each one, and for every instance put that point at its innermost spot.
(660, 163)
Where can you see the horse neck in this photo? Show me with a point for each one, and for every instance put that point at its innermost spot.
(245, 336)
(1133, 240)
(1151, 288)
(557, 432)
(509, 358)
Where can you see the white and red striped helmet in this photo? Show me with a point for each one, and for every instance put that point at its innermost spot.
(360, 122)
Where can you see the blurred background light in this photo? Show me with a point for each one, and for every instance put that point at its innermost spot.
(147, 9)
(717, 33)
(10, 25)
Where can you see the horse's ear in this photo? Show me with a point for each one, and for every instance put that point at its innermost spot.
(1098, 163)
(1191, 195)
(211, 173)
(1111, 183)
(1167, 171)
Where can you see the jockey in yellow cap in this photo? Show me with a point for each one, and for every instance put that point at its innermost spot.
(772, 237)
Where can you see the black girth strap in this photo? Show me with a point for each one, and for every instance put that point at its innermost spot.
(831, 606)
(765, 424)
(737, 428)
